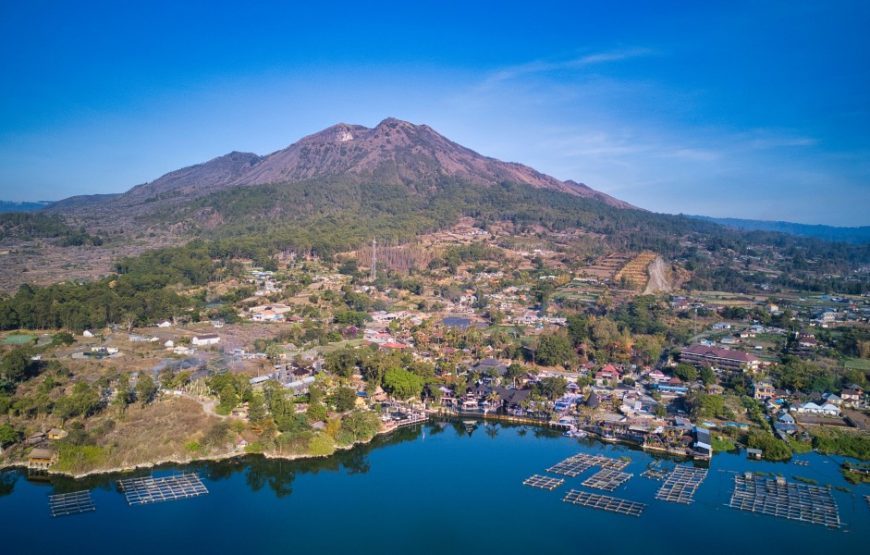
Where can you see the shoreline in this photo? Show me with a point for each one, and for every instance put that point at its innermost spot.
(211, 458)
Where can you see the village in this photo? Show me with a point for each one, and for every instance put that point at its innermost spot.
(608, 349)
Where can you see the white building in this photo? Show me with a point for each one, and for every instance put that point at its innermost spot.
(206, 339)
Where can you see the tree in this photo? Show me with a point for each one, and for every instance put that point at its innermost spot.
(578, 329)
(344, 399)
(8, 435)
(341, 362)
(17, 364)
(228, 398)
(146, 389)
(514, 371)
(363, 425)
(686, 372)
(123, 395)
(256, 408)
(321, 445)
(552, 388)
(707, 375)
(83, 401)
(554, 349)
(317, 412)
(403, 384)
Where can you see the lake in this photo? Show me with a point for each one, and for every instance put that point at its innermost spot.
(431, 489)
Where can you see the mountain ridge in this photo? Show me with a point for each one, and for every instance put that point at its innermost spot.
(394, 152)
(857, 235)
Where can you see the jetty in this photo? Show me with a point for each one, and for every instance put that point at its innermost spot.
(681, 484)
(779, 498)
(543, 482)
(143, 491)
(64, 504)
(604, 503)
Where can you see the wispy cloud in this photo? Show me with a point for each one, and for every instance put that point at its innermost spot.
(547, 66)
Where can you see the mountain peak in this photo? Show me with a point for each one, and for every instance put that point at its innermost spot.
(395, 151)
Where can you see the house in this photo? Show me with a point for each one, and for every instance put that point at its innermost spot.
(852, 396)
(701, 355)
(657, 376)
(763, 390)
(55, 434)
(206, 339)
(785, 424)
(490, 366)
(824, 410)
(41, 458)
(807, 341)
(703, 443)
(608, 374)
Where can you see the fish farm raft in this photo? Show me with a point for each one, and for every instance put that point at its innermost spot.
(143, 491)
(776, 497)
(607, 479)
(543, 482)
(576, 465)
(604, 503)
(64, 504)
(681, 484)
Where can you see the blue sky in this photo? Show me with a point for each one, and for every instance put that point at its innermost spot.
(743, 109)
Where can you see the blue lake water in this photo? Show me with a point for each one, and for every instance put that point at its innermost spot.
(430, 489)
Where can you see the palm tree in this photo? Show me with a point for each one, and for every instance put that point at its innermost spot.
(493, 398)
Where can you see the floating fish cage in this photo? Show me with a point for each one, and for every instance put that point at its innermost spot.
(604, 503)
(143, 491)
(575, 465)
(607, 479)
(655, 471)
(64, 504)
(681, 484)
(543, 482)
(776, 497)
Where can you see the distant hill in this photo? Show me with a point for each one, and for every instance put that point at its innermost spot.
(857, 235)
(9, 206)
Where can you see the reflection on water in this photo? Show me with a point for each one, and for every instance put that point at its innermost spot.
(7, 482)
(259, 471)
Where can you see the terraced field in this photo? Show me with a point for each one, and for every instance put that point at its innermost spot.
(635, 271)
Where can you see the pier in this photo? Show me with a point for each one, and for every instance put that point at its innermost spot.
(607, 479)
(543, 482)
(143, 491)
(64, 504)
(681, 484)
(604, 503)
(776, 497)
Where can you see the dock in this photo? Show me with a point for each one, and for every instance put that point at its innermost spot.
(776, 497)
(607, 479)
(604, 503)
(681, 484)
(143, 491)
(543, 482)
(64, 504)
